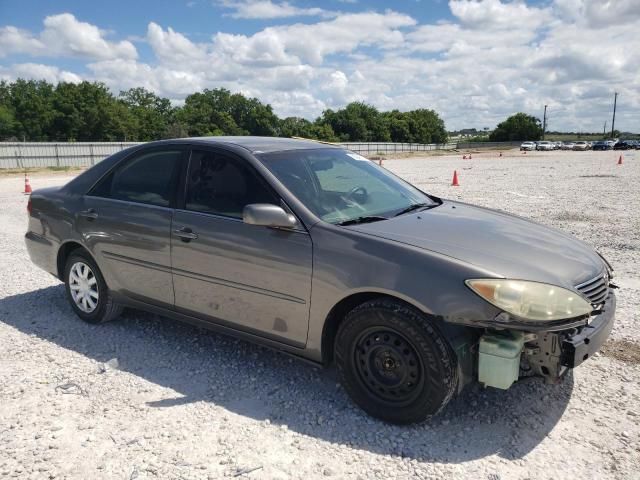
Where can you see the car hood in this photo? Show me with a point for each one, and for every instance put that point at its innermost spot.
(505, 244)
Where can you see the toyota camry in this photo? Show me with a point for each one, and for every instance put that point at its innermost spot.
(318, 252)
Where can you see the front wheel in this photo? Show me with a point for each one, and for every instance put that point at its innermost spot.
(394, 363)
(87, 291)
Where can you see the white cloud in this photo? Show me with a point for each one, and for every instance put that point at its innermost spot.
(497, 14)
(38, 71)
(600, 13)
(171, 46)
(266, 9)
(311, 43)
(64, 36)
(490, 59)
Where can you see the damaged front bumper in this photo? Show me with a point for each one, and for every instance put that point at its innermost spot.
(505, 355)
(551, 354)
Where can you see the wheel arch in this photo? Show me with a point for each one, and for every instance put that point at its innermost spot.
(64, 251)
(345, 305)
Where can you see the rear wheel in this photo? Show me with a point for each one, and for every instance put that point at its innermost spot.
(87, 291)
(394, 363)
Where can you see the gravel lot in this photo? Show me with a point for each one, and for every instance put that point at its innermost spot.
(187, 403)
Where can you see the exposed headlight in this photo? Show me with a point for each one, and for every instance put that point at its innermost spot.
(531, 300)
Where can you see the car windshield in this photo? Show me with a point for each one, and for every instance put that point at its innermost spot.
(340, 186)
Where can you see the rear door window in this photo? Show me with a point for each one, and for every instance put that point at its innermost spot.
(148, 178)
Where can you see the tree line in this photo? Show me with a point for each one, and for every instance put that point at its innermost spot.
(33, 110)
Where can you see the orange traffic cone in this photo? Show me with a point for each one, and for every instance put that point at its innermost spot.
(455, 183)
(620, 160)
(27, 186)
(464, 157)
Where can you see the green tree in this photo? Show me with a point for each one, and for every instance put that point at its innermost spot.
(88, 111)
(295, 127)
(31, 102)
(68, 122)
(152, 113)
(7, 118)
(218, 112)
(7, 122)
(357, 122)
(517, 127)
(323, 132)
(206, 113)
(398, 124)
(426, 126)
(176, 129)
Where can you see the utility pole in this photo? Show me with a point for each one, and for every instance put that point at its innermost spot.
(604, 130)
(544, 122)
(613, 122)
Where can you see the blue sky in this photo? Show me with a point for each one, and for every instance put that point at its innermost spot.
(473, 61)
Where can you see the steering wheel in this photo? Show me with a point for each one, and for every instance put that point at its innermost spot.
(359, 194)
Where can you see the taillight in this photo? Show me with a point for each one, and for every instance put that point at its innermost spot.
(29, 205)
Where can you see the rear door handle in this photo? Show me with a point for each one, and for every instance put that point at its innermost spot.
(185, 234)
(89, 214)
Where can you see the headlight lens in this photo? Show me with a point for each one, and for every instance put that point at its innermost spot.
(531, 300)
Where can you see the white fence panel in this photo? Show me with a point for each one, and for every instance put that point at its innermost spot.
(372, 148)
(58, 154)
(84, 154)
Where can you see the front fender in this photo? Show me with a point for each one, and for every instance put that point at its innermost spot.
(347, 262)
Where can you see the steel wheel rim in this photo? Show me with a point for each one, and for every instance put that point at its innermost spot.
(83, 286)
(388, 365)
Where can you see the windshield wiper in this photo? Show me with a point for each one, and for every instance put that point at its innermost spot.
(413, 207)
(363, 219)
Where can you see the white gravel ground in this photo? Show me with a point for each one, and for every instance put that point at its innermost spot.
(187, 403)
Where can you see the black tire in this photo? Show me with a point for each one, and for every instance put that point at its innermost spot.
(407, 372)
(106, 308)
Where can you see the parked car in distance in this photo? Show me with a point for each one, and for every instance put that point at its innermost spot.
(544, 145)
(413, 296)
(601, 145)
(623, 145)
(528, 146)
(611, 143)
(580, 145)
(557, 145)
(567, 146)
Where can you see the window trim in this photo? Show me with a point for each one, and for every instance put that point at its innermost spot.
(182, 160)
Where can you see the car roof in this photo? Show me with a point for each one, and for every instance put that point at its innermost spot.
(255, 144)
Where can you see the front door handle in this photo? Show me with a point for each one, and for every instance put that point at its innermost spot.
(89, 214)
(185, 234)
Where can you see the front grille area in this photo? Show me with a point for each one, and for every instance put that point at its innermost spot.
(596, 289)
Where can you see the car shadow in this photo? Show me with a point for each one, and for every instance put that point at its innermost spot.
(262, 384)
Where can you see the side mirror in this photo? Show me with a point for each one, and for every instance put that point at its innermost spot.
(268, 215)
